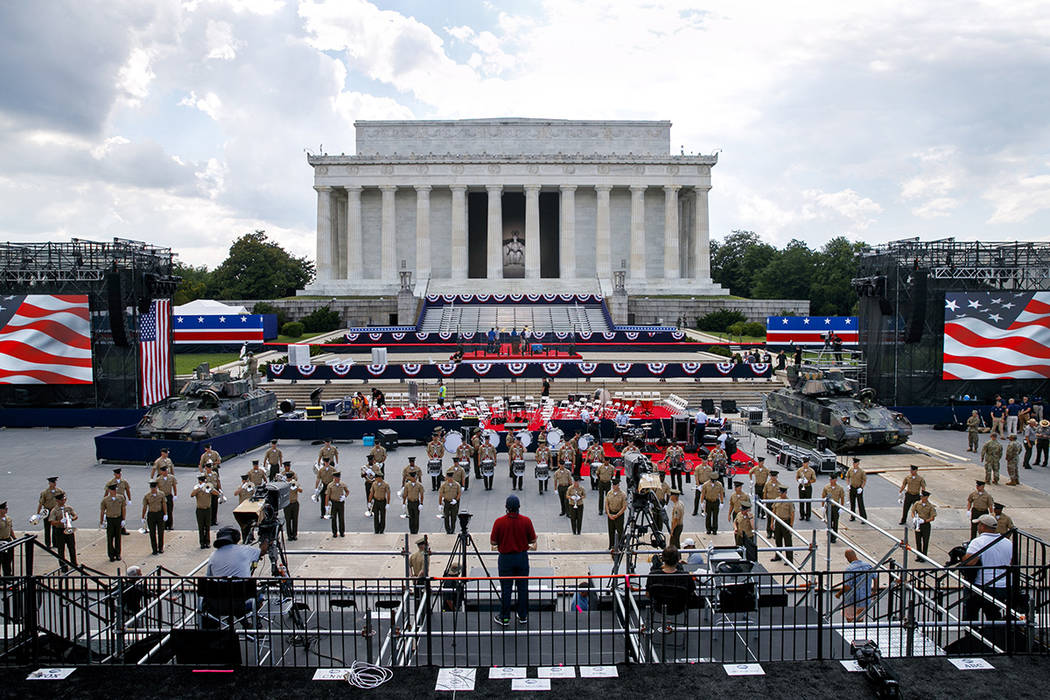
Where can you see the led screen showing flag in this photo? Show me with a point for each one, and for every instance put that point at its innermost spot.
(45, 339)
(155, 352)
(218, 330)
(996, 335)
(810, 330)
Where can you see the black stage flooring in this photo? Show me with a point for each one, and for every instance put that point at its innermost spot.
(1012, 677)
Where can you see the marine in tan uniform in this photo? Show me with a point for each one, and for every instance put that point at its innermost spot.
(574, 497)
(1004, 522)
(677, 518)
(246, 490)
(337, 493)
(806, 477)
(462, 461)
(543, 466)
(201, 494)
(113, 514)
(771, 493)
(615, 507)
(744, 531)
(979, 503)
(209, 456)
(435, 453)
(7, 534)
(291, 511)
(911, 487)
(516, 455)
(324, 477)
(369, 472)
(162, 461)
(713, 495)
(412, 470)
(595, 456)
(272, 459)
(417, 560)
(169, 486)
(857, 479)
(448, 498)
(378, 500)
(212, 477)
(154, 515)
(412, 498)
(378, 454)
(702, 474)
(328, 451)
(759, 475)
(736, 499)
(605, 474)
(675, 458)
(256, 474)
(562, 481)
(123, 487)
(48, 501)
(924, 513)
(785, 510)
(65, 542)
(834, 497)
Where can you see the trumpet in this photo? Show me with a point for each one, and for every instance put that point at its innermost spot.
(316, 496)
(67, 522)
(208, 488)
(328, 511)
(37, 518)
(280, 477)
(294, 485)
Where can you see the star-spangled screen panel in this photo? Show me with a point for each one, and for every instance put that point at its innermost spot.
(996, 335)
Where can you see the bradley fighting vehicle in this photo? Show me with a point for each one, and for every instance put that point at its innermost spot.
(823, 403)
(210, 404)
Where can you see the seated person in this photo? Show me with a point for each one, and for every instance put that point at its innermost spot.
(231, 561)
(669, 580)
(693, 556)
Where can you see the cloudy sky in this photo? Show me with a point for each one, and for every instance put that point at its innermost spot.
(186, 123)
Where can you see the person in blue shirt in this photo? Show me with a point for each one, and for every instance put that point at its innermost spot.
(998, 416)
(857, 583)
(1012, 410)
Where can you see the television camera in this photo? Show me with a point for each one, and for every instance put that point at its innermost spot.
(260, 519)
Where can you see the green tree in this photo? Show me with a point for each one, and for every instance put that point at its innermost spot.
(194, 284)
(258, 268)
(737, 260)
(831, 293)
(789, 275)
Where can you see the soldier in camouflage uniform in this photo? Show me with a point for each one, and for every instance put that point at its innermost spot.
(972, 425)
(991, 453)
(1013, 452)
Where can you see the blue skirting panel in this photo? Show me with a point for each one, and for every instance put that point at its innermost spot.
(123, 446)
(68, 417)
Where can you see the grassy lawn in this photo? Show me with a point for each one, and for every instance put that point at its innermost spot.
(745, 339)
(185, 363)
(289, 339)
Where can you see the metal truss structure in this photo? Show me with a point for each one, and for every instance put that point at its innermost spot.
(1015, 266)
(79, 260)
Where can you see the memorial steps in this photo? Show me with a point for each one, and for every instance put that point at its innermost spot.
(540, 318)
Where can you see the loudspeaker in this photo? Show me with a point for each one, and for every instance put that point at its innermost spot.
(146, 292)
(707, 406)
(917, 317)
(116, 310)
(728, 405)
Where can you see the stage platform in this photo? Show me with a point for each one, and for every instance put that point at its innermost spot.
(536, 353)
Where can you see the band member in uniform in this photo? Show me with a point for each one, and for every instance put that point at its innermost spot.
(209, 456)
(412, 498)
(543, 462)
(979, 503)
(516, 453)
(716, 456)
(369, 472)
(577, 454)
(459, 473)
(212, 477)
(925, 513)
(378, 455)
(329, 452)
(48, 501)
(463, 464)
(737, 499)
(417, 560)
(562, 481)
(567, 456)
(575, 496)
(475, 451)
(606, 474)
(785, 510)
(123, 487)
(154, 516)
(595, 457)
(65, 542)
(203, 498)
(834, 497)
(162, 461)
(378, 499)
(771, 493)
(113, 514)
(291, 511)
(435, 453)
(677, 518)
(169, 486)
(256, 475)
(412, 470)
(911, 487)
(759, 475)
(7, 534)
(448, 498)
(744, 530)
(702, 474)
(1006, 523)
(806, 478)
(273, 459)
(488, 463)
(714, 495)
(615, 507)
(323, 480)
(337, 492)
(857, 478)
(675, 458)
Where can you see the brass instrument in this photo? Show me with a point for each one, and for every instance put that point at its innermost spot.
(67, 522)
(37, 518)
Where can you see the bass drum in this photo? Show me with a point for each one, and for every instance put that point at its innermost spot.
(524, 437)
(453, 440)
(585, 442)
(491, 437)
(554, 438)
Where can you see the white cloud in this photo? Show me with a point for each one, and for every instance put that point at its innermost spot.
(210, 103)
(1017, 200)
(221, 44)
(936, 208)
(135, 76)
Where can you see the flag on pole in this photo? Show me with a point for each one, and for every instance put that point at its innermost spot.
(155, 352)
(996, 335)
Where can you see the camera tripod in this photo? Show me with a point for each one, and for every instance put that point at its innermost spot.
(644, 514)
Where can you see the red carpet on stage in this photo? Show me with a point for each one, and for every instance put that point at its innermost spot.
(505, 353)
(691, 459)
(641, 411)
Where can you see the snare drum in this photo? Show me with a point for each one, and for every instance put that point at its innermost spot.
(488, 468)
(518, 467)
(542, 473)
(434, 467)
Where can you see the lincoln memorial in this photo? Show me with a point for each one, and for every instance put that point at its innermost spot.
(513, 206)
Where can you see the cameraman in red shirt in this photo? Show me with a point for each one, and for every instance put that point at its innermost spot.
(513, 535)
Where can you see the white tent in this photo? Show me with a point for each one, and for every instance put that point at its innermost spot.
(208, 307)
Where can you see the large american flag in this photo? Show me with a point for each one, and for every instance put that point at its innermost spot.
(810, 330)
(996, 335)
(45, 339)
(155, 352)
